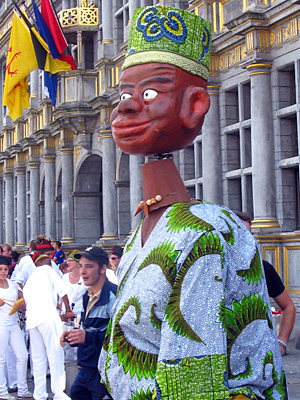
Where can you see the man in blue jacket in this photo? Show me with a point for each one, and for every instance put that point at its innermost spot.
(97, 306)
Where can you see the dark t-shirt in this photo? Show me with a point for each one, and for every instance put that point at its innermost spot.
(274, 283)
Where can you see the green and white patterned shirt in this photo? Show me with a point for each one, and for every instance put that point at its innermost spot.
(192, 318)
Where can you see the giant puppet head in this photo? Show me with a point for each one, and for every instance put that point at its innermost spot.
(163, 97)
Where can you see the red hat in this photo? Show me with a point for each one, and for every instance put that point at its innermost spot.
(46, 245)
(117, 251)
(36, 256)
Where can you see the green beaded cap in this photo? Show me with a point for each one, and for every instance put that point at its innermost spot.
(172, 36)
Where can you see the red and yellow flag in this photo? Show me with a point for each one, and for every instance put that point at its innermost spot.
(21, 60)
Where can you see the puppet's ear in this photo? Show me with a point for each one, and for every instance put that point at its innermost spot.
(195, 104)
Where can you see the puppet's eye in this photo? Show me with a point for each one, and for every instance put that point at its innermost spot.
(149, 94)
(125, 96)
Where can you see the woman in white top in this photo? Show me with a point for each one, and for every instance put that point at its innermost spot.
(11, 334)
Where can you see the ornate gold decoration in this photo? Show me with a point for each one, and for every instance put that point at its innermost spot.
(285, 31)
(214, 64)
(264, 223)
(10, 163)
(56, 140)
(286, 251)
(275, 250)
(250, 41)
(67, 240)
(221, 13)
(35, 151)
(264, 42)
(22, 157)
(51, 143)
(77, 150)
(79, 16)
(33, 165)
(101, 72)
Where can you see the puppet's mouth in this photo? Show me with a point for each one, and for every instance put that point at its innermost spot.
(129, 127)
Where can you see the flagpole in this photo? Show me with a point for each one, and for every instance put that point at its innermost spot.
(22, 14)
(28, 11)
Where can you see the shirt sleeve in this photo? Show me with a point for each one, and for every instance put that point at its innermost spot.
(274, 283)
(58, 283)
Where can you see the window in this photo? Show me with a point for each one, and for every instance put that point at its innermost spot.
(231, 107)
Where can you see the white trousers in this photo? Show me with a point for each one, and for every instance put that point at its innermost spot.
(11, 373)
(45, 346)
(13, 336)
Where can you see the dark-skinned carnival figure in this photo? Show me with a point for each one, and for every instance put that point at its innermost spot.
(192, 319)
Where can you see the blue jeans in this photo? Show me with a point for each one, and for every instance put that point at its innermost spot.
(87, 385)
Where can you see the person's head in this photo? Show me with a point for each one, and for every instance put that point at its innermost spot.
(73, 263)
(6, 250)
(163, 96)
(43, 245)
(93, 263)
(115, 256)
(56, 245)
(4, 267)
(41, 259)
(15, 256)
(245, 218)
(64, 268)
(32, 246)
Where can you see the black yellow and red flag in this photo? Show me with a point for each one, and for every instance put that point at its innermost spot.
(27, 51)
(21, 60)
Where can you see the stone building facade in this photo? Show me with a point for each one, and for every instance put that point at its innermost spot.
(61, 173)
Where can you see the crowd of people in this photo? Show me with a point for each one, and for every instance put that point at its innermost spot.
(53, 308)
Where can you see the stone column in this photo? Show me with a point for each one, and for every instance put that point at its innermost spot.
(50, 214)
(136, 188)
(79, 50)
(65, 4)
(105, 47)
(109, 190)
(211, 150)
(9, 207)
(1, 211)
(67, 197)
(34, 88)
(132, 6)
(107, 22)
(21, 207)
(262, 143)
(34, 199)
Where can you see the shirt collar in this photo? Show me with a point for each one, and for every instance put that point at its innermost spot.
(93, 295)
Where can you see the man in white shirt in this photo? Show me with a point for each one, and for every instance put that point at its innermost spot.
(45, 327)
(27, 266)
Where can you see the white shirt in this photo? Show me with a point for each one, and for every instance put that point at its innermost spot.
(56, 269)
(11, 293)
(111, 276)
(28, 267)
(40, 295)
(72, 287)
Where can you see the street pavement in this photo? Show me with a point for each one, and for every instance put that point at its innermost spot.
(291, 363)
(292, 367)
